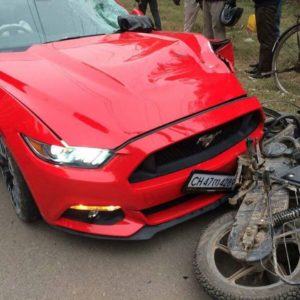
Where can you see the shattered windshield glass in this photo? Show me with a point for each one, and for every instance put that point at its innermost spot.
(27, 22)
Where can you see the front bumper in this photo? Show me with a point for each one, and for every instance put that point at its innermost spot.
(147, 232)
(145, 204)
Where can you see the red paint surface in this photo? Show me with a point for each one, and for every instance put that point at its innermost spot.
(101, 92)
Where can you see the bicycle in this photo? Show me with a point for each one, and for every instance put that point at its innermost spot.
(286, 60)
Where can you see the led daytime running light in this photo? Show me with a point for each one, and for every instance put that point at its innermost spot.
(95, 208)
(81, 157)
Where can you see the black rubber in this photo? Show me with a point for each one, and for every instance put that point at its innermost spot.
(271, 113)
(20, 194)
(216, 285)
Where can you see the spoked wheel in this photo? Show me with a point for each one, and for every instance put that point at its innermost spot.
(20, 195)
(286, 62)
(223, 277)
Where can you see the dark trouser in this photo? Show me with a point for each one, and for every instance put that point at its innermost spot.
(278, 17)
(265, 21)
(154, 11)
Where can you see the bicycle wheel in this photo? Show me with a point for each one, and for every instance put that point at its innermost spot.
(286, 62)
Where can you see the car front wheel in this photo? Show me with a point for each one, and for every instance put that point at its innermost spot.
(20, 194)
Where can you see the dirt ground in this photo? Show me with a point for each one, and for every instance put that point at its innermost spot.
(39, 262)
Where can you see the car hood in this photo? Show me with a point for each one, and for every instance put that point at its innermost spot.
(101, 91)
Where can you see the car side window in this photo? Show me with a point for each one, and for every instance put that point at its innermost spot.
(17, 26)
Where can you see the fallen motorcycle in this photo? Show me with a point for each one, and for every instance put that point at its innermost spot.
(252, 252)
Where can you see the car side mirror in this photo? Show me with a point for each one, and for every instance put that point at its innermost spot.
(135, 23)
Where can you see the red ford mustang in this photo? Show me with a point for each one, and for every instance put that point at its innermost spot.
(108, 134)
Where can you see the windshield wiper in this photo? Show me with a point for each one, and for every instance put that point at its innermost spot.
(74, 37)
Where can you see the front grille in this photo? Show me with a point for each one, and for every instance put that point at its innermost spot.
(196, 149)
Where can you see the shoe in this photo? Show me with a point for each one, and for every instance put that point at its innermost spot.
(259, 75)
(252, 71)
(254, 65)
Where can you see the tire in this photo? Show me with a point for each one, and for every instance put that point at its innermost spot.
(217, 285)
(287, 55)
(21, 197)
(270, 113)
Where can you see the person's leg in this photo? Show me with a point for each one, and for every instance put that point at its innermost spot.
(143, 6)
(265, 19)
(278, 17)
(218, 29)
(155, 13)
(207, 20)
(191, 9)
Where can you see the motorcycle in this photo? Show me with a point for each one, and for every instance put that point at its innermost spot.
(253, 251)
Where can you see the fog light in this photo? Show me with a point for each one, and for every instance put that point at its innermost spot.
(99, 215)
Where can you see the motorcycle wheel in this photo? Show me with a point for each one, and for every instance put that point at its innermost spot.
(225, 278)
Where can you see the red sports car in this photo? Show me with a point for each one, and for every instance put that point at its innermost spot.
(116, 135)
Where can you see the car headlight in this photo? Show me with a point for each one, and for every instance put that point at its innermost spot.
(81, 157)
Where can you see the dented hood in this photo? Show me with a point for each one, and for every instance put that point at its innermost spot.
(101, 91)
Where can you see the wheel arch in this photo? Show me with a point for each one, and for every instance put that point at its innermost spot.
(16, 119)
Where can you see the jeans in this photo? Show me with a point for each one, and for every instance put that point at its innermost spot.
(154, 11)
(278, 17)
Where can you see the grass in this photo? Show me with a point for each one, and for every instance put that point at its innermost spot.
(246, 46)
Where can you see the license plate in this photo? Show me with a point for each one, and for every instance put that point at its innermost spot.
(209, 182)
